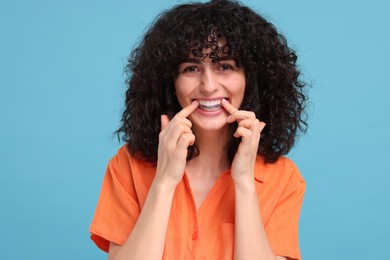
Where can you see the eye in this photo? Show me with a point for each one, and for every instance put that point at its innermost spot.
(225, 67)
(190, 69)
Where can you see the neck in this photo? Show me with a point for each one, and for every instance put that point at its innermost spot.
(212, 159)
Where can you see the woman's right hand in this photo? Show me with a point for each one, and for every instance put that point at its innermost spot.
(175, 137)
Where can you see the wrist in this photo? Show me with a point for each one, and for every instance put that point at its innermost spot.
(245, 184)
(163, 186)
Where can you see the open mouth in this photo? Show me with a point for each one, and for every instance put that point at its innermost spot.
(210, 105)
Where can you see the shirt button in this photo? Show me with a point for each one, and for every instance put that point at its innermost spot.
(195, 236)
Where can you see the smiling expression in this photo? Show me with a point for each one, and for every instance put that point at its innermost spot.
(209, 82)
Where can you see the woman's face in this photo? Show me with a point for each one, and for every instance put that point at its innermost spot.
(209, 82)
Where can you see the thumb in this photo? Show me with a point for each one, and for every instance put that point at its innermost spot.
(164, 121)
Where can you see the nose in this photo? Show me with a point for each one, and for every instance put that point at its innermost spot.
(209, 82)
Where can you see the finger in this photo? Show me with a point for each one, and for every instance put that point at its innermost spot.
(185, 112)
(164, 121)
(174, 132)
(179, 121)
(228, 107)
(174, 128)
(179, 129)
(255, 126)
(241, 115)
(191, 139)
(247, 123)
(243, 132)
(261, 126)
(185, 140)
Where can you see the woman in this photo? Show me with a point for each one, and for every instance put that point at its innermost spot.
(213, 103)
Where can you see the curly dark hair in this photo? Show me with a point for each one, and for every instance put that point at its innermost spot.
(273, 89)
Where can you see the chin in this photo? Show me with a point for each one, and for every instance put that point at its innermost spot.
(211, 125)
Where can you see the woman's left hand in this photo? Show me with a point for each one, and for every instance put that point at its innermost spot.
(249, 129)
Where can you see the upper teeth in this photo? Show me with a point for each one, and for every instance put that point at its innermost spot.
(210, 103)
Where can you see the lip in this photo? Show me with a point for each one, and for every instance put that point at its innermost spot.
(210, 106)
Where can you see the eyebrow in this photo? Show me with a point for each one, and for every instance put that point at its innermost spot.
(199, 60)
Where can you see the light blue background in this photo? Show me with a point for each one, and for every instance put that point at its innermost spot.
(61, 95)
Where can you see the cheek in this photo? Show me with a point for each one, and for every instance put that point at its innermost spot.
(180, 91)
(178, 86)
(238, 91)
(243, 84)
(186, 85)
(239, 87)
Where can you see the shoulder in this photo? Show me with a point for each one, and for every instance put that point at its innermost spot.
(283, 169)
(123, 157)
(126, 166)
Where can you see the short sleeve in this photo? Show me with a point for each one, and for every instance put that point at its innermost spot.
(282, 226)
(117, 209)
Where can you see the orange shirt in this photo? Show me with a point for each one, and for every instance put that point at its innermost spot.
(209, 232)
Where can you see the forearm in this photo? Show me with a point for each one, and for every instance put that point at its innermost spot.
(250, 238)
(147, 239)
